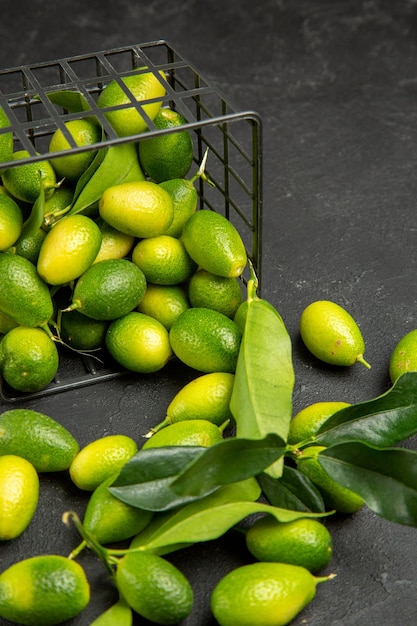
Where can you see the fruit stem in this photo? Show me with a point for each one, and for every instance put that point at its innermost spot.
(323, 579)
(88, 540)
(360, 359)
(159, 426)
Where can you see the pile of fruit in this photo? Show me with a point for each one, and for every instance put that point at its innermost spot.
(105, 250)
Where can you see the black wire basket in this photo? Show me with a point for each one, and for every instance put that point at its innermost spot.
(231, 138)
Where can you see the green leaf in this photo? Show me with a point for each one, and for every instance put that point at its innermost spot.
(292, 491)
(386, 479)
(381, 422)
(35, 220)
(73, 101)
(120, 614)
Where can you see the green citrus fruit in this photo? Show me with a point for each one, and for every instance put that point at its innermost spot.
(11, 222)
(164, 260)
(198, 432)
(154, 588)
(306, 423)
(109, 289)
(214, 243)
(139, 208)
(164, 302)
(110, 520)
(24, 297)
(164, 157)
(29, 359)
(83, 133)
(69, 249)
(81, 332)
(19, 494)
(221, 293)
(331, 334)
(6, 324)
(335, 496)
(404, 356)
(139, 343)
(6, 139)
(43, 590)
(38, 438)
(114, 244)
(25, 181)
(206, 340)
(30, 245)
(60, 200)
(185, 197)
(263, 594)
(305, 542)
(142, 86)
(100, 459)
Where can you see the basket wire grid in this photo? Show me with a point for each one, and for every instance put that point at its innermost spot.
(232, 138)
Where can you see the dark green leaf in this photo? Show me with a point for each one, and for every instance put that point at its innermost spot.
(292, 490)
(35, 220)
(386, 479)
(381, 422)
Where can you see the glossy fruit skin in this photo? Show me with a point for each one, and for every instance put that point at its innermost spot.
(307, 422)
(23, 181)
(82, 332)
(164, 302)
(187, 433)
(154, 588)
(6, 139)
(206, 340)
(404, 356)
(185, 198)
(38, 438)
(220, 293)
(71, 166)
(262, 594)
(164, 260)
(43, 591)
(114, 244)
(11, 221)
(19, 494)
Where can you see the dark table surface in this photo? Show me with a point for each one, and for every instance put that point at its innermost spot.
(336, 86)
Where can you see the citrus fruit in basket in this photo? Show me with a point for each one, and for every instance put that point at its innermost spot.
(114, 244)
(221, 293)
(335, 496)
(305, 541)
(154, 588)
(38, 438)
(404, 356)
(69, 249)
(168, 156)
(83, 133)
(139, 343)
(6, 139)
(110, 520)
(43, 590)
(81, 332)
(25, 181)
(24, 297)
(30, 245)
(29, 359)
(11, 222)
(100, 459)
(60, 200)
(139, 208)
(306, 423)
(214, 243)
(185, 197)
(109, 289)
(164, 302)
(140, 87)
(331, 334)
(263, 594)
(164, 260)
(206, 340)
(19, 494)
(198, 432)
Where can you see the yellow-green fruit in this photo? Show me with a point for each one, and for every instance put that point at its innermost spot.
(83, 133)
(214, 243)
(100, 459)
(38, 438)
(139, 343)
(11, 222)
(154, 588)
(30, 245)
(335, 496)
(110, 520)
(19, 494)
(331, 334)
(114, 244)
(25, 181)
(169, 156)
(305, 542)
(197, 432)
(206, 340)
(185, 197)
(307, 422)
(164, 260)
(164, 302)
(24, 297)
(29, 359)
(142, 86)
(81, 332)
(43, 590)
(139, 208)
(6, 139)
(262, 594)
(404, 356)
(69, 249)
(221, 293)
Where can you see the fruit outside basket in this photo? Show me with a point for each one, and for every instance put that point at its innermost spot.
(233, 139)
